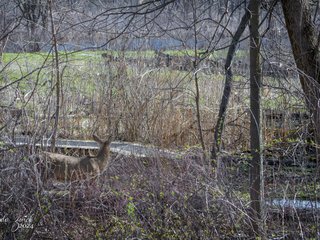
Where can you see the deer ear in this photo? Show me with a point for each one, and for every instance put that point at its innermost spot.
(96, 138)
(109, 139)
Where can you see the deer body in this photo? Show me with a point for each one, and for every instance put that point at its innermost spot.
(69, 168)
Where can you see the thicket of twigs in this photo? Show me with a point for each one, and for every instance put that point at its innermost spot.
(142, 198)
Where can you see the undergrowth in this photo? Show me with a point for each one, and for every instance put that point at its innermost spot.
(141, 198)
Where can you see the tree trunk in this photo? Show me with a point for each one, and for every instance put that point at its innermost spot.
(305, 46)
(256, 167)
(228, 85)
(57, 80)
(196, 78)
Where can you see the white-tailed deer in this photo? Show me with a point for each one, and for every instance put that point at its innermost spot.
(70, 168)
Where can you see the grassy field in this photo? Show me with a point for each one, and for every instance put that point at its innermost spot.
(94, 88)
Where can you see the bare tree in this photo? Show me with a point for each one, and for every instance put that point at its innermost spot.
(56, 74)
(218, 129)
(305, 42)
(35, 13)
(256, 167)
(9, 21)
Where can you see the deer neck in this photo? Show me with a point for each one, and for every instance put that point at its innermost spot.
(103, 153)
